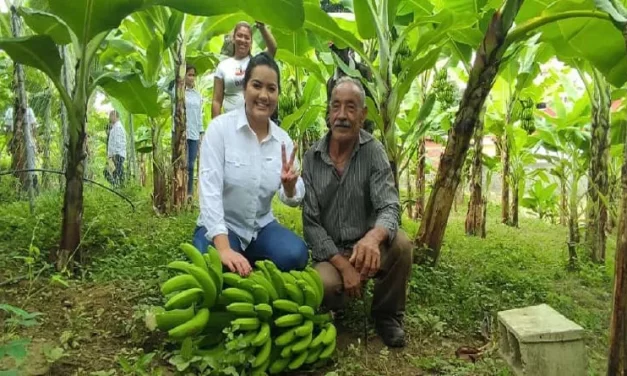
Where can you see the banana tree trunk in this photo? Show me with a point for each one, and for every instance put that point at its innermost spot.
(410, 207)
(17, 147)
(617, 363)
(159, 188)
(142, 170)
(132, 160)
(505, 162)
(47, 141)
(598, 173)
(515, 204)
(179, 144)
(573, 217)
(480, 82)
(474, 217)
(563, 202)
(65, 123)
(73, 197)
(420, 179)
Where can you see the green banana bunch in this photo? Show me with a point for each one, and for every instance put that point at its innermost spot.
(526, 116)
(445, 90)
(272, 314)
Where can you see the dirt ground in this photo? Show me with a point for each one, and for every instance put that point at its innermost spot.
(95, 325)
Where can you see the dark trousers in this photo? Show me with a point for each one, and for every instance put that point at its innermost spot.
(192, 154)
(274, 242)
(390, 287)
(117, 177)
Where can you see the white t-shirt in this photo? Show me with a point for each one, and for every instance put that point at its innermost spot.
(8, 118)
(231, 72)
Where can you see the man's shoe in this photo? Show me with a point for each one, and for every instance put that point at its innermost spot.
(390, 330)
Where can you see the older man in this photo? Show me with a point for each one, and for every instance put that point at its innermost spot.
(351, 215)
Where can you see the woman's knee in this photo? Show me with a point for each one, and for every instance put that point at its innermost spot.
(200, 240)
(294, 256)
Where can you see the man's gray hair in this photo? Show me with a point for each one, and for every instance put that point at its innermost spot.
(358, 85)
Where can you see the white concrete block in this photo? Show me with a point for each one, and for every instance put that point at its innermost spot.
(539, 341)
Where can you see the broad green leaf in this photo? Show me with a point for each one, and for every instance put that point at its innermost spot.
(471, 36)
(37, 51)
(598, 41)
(322, 24)
(132, 93)
(366, 24)
(88, 18)
(426, 108)
(222, 24)
(154, 58)
(46, 24)
(202, 7)
(173, 29)
(408, 75)
(291, 119)
(300, 61)
(461, 6)
(287, 14)
(311, 92)
(393, 11)
(204, 62)
(116, 47)
(295, 42)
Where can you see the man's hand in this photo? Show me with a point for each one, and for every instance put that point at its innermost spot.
(352, 282)
(366, 257)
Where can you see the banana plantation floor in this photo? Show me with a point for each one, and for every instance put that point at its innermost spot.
(93, 324)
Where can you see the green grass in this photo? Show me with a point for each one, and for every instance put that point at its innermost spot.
(475, 279)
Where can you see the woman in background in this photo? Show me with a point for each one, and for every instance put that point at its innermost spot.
(228, 88)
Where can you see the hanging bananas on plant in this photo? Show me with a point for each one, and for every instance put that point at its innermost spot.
(403, 54)
(526, 116)
(267, 322)
(445, 90)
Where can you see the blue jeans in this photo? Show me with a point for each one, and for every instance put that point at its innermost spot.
(192, 153)
(274, 242)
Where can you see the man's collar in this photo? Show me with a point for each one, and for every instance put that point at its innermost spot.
(323, 145)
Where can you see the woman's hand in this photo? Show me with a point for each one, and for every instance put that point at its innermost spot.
(289, 176)
(235, 261)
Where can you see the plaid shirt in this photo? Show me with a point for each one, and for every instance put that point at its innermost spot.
(340, 209)
(117, 141)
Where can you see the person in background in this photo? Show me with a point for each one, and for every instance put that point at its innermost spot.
(116, 149)
(243, 164)
(228, 88)
(194, 115)
(351, 215)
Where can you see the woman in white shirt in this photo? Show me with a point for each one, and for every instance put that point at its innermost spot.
(243, 164)
(228, 89)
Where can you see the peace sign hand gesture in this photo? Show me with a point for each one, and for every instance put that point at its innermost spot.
(289, 176)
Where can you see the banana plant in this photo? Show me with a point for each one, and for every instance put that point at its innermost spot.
(542, 199)
(617, 361)
(85, 26)
(567, 143)
(404, 50)
(531, 18)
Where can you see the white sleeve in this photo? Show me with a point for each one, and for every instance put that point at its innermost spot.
(211, 179)
(220, 71)
(300, 185)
